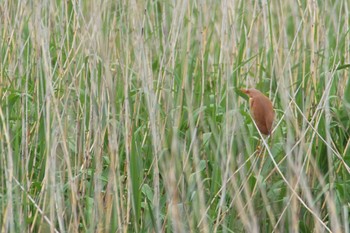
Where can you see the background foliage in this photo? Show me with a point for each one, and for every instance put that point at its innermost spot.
(127, 116)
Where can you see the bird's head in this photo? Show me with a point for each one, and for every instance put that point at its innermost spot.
(250, 92)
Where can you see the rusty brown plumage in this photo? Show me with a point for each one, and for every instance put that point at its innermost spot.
(261, 109)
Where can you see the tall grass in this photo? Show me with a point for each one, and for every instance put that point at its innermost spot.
(126, 116)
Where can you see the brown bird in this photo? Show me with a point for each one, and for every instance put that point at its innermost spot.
(261, 109)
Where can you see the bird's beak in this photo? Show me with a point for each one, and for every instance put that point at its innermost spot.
(244, 91)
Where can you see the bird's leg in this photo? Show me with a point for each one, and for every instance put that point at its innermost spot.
(258, 147)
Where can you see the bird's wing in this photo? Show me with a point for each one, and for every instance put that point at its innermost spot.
(270, 119)
(259, 115)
